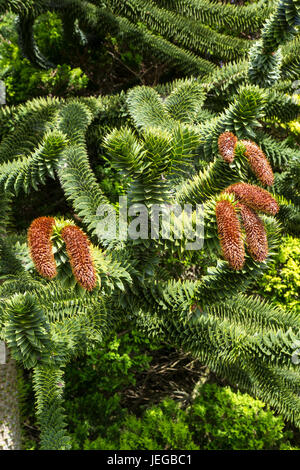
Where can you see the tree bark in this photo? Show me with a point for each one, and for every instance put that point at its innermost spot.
(10, 431)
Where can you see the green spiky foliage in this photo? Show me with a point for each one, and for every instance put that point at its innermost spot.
(273, 64)
(266, 55)
(192, 36)
(166, 149)
(205, 38)
(164, 143)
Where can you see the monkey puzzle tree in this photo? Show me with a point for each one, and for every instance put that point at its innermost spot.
(205, 142)
(73, 292)
(190, 35)
(185, 34)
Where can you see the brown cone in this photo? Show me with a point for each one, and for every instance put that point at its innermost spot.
(255, 197)
(256, 237)
(40, 246)
(226, 144)
(77, 245)
(230, 234)
(259, 163)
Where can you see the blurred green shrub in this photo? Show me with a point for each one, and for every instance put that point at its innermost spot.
(161, 427)
(223, 419)
(218, 418)
(281, 283)
(22, 80)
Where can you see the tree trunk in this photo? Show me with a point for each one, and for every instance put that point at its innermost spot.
(10, 434)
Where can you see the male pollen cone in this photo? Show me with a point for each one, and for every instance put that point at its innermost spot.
(40, 246)
(77, 245)
(259, 163)
(256, 237)
(230, 234)
(226, 144)
(255, 197)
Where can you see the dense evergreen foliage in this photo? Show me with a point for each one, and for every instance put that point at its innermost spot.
(217, 419)
(213, 139)
(185, 34)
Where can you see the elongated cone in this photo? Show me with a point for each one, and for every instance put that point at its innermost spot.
(255, 197)
(259, 163)
(77, 245)
(256, 237)
(226, 144)
(40, 246)
(230, 234)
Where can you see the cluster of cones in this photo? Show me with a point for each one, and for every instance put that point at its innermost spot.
(257, 160)
(250, 199)
(77, 247)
